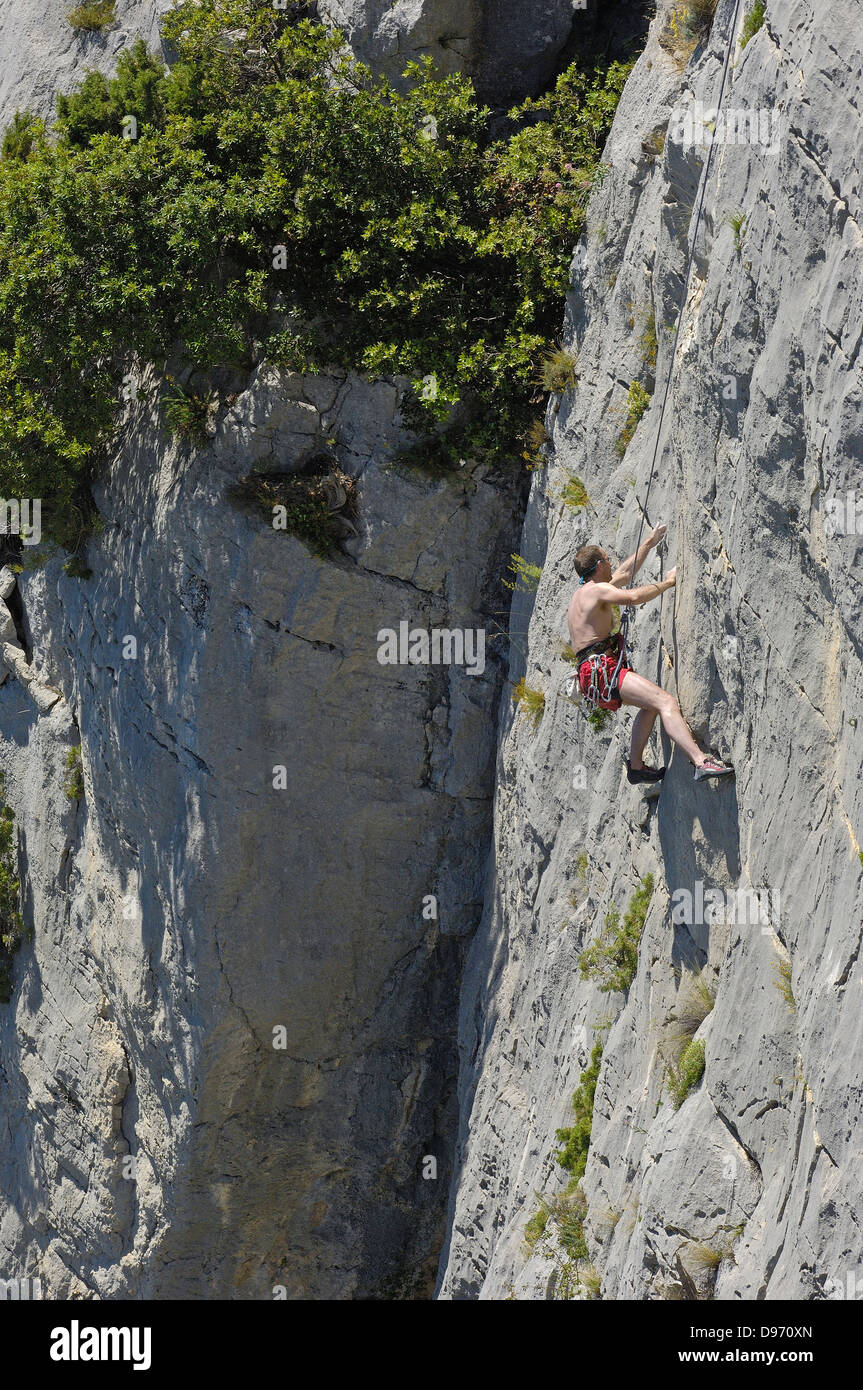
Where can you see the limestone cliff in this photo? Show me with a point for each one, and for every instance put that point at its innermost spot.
(232, 1037)
(750, 1188)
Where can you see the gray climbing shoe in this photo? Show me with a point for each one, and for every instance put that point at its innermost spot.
(712, 767)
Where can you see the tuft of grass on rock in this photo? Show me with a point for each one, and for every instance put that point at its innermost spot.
(637, 401)
(576, 1139)
(531, 702)
(73, 784)
(686, 1075)
(12, 931)
(783, 983)
(753, 22)
(612, 960)
(92, 16)
(574, 493)
(525, 576)
(557, 371)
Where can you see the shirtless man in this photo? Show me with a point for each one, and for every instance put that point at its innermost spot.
(589, 618)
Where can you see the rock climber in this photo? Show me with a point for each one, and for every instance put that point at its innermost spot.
(597, 654)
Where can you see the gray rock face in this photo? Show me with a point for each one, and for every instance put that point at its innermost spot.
(750, 1188)
(41, 54)
(232, 1041)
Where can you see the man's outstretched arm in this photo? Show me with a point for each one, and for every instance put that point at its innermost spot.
(625, 574)
(633, 598)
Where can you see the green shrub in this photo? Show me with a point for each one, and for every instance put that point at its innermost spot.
(568, 1210)
(687, 1073)
(576, 1140)
(23, 137)
(11, 922)
(186, 413)
(783, 983)
(299, 504)
(557, 373)
(637, 401)
(574, 493)
(525, 577)
(649, 340)
(612, 960)
(443, 258)
(534, 1228)
(737, 223)
(92, 15)
(73, 784)
(753, 22)
(536, 438)
(598, 718)
(531, 702)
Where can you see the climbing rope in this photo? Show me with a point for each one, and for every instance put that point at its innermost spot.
(705, 175)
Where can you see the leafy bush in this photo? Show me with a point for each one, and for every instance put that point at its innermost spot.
(443, 257)
(637, 401)
(73, 784)
(688, 1072)
(22, 137)
(92, 14)
(576, 1140)
(11, 922)
(612, 960)
(753, 22)
(531, 702)
(598, 718)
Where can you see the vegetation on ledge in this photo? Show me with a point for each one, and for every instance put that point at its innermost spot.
(269, 180)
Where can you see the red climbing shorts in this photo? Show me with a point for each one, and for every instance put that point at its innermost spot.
(605, 664)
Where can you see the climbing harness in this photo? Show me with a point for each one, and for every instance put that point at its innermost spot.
(603, 686)
(626, 617)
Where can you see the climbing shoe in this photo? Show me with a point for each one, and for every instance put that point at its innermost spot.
(643, 774)
(712, 767)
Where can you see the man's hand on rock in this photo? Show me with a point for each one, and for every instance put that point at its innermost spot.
(657, 536)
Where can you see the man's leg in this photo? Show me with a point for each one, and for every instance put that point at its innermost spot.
(637, 690)
(642, 727)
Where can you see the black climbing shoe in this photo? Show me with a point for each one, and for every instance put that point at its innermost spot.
(713, 768)
(644, 774)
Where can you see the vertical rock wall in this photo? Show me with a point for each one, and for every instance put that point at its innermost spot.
(761, 642)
